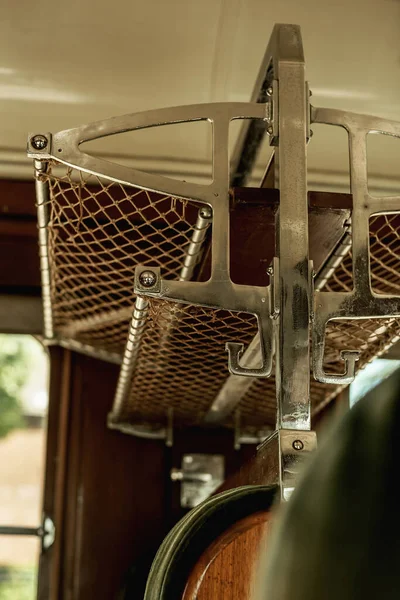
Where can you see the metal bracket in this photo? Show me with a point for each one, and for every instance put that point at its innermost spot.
(362, 302)
(218, 294)
(242, 438)
(200, 475)
(39, 145)
(285, 452)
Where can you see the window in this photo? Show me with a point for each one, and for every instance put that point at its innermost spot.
(370, 376)
(23, 410)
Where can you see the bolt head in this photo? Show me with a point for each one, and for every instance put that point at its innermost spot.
(270, 91)
(298, 445)
(39, 142)
(205, 212)
(147, 279)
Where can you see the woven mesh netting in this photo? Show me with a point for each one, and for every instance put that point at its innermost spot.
(384, 244)
(99, 231)
(182, 360)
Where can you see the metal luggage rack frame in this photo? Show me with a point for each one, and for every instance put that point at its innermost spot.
(287, 311)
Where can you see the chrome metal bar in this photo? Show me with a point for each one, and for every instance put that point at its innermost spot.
(269, 176)
(11, 530)
(252, 133)
(91, 322)
(129, 359)
(137, 327)
(195, 247)
(141, 430)
(334, 260)
(292, 354)
(111, 357)
(43, 215)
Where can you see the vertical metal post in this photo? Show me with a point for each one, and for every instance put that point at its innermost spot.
(292, 349)
(193, 253)
(137, 329)
(129, 360)
(43, 212)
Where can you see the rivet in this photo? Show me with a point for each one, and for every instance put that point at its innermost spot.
(270, 91)
(147, 279)
(39, 142)
(298, 445)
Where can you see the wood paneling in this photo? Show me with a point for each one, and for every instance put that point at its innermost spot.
(17, 198)
(19, 267)
(52, 495)
(21, 314)
(115, 501)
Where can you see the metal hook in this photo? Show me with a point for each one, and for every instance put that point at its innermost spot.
(350, 357)
(235, 351)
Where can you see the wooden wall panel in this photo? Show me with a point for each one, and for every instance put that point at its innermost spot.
(115, 501)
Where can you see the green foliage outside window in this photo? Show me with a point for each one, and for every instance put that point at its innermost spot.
(18, 583)
(15, 356)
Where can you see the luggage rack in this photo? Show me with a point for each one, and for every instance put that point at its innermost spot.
(101, 225)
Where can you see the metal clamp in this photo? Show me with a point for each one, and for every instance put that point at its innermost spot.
(199, 476)
(284, 453)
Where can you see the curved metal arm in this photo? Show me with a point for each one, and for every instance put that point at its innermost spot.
(65, 146)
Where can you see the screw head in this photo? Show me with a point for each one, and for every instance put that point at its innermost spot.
(298, 445)
(205, 212)
(270, 91)
(270, 130)
(147, 279)
(39, 142)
